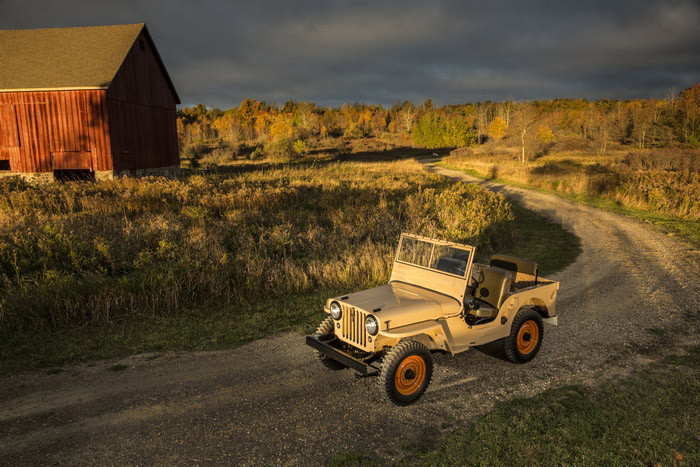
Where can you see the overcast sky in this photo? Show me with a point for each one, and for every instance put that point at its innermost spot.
(381, 52)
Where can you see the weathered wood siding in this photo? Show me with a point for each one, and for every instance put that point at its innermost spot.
(142, 112)
(42, 131)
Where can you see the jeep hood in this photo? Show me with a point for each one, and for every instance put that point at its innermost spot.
(402, 304)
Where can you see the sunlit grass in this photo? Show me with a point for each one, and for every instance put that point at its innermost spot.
(648, 418)
(667, 198)
(215, 260)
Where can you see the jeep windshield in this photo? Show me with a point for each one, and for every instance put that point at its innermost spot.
(443, 267)
(440, 257)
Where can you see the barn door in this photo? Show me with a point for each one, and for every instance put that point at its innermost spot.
(69, 135)
(9, 139)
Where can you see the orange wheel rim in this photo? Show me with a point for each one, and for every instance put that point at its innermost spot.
(410, 375)
(528, 336)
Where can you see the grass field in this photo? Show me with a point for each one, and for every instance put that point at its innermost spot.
(208, 261)
(660, 187)
(647, 418)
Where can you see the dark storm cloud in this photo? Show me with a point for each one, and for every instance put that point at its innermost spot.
(219, 52)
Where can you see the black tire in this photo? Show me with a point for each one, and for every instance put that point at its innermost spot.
(522, 344)
(325, 329)
(406, 372)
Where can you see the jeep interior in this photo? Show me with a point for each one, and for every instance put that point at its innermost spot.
(525, 272)
(492, 288)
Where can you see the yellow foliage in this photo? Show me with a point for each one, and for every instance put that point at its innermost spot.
(262, 120)
(497, 128)
(544, 134)
(366, 116)
(281, 127)
(226, 125)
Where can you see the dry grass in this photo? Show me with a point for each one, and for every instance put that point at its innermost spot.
(665, 182)
(82, 253)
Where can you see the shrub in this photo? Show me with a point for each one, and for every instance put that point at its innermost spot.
(257, 154)
(300, 147)
(544, 134)
(436, 131)
(353, 132)
(193, 152)
(280, 148)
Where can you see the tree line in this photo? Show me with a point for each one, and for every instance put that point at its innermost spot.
(642, 123)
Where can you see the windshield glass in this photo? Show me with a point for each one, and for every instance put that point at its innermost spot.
(443, 258)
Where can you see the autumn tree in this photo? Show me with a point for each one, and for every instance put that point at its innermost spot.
(544, 134)
(281, 127)
(642, 115)
(481, 114)
(305, 118)
(689, 103)
(229, 126)
(249, 109)
(602, 127)
(505, 110)
(523, 119)
(497, 129)
(407, 116)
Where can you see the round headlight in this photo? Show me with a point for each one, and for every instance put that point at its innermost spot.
(336, 312)
(371, 325)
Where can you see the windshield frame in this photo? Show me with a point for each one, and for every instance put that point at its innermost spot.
(467, 249)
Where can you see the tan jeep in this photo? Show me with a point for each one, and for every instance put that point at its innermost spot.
(437, 299)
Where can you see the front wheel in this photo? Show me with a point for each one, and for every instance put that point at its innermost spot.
(406, 372)
(325, 329)
(525, 337)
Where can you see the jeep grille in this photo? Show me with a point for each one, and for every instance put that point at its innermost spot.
(353, 326)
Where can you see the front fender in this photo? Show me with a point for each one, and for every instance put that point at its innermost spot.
(429, 333)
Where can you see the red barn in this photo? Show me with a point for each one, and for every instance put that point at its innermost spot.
(86, 102)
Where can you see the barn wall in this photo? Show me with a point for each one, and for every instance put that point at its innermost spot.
(40, 131)
(142, 113)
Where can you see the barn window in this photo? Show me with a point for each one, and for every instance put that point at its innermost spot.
(4, 164)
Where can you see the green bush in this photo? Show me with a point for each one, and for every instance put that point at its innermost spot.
(436, 131)
(300, 147)
(257, 154)
(353, 132)
(194, 151)
(280, 148)
(694, 140)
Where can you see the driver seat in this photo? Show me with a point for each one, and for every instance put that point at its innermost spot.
(492, 291)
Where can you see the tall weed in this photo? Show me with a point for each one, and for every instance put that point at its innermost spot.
(79, 253)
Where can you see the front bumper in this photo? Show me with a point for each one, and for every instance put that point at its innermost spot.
(326, 347)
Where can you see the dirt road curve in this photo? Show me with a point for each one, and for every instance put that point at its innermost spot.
(270, 402)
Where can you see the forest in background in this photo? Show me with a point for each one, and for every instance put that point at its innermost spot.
(259, 130)
(639, 154)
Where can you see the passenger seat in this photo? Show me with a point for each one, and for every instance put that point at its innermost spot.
(525, 272)
(492, 291)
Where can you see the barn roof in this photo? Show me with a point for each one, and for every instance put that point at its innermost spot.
(67, 58)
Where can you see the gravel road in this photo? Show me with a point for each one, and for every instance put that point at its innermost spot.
(271, 402)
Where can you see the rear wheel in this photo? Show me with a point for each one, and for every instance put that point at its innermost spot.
(525, 337)
(325, 329)
(406, 372)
